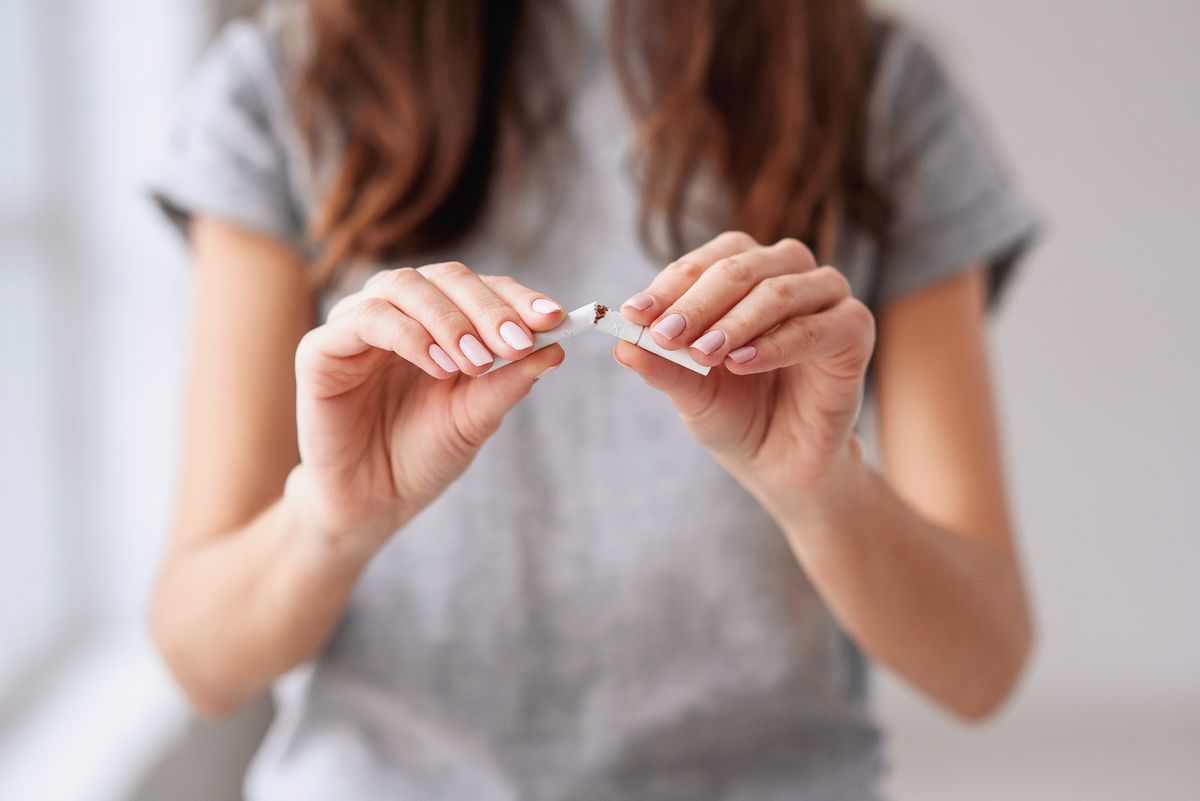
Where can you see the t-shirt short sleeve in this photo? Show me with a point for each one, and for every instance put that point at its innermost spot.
(954, 203)
(225, 155)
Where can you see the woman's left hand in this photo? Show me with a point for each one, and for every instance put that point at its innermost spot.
(789, 347)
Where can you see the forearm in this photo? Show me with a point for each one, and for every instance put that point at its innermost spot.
(946, 611)
(233, 612)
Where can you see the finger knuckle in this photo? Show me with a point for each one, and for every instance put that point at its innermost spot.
(736, 270)
(370, 311)
(307, 347)
(686, 269)
(399, 282)
(861, 317)
(781, 288)
(377, 279)
(445, 270)
(790, 245)
(792, 248)
(835, 278)
(737, 239)
(859, 340)
(343, 305)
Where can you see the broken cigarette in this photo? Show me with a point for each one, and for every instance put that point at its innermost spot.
(578, 321)
(602, 318)
(613, 324)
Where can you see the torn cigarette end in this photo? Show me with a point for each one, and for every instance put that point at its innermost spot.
(601, 310)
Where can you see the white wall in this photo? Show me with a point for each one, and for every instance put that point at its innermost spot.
(93, 302)
(1096, 101)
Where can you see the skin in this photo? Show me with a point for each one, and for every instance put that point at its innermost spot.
(291, 484)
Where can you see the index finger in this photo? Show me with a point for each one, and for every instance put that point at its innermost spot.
(670, 284)
(538, 311)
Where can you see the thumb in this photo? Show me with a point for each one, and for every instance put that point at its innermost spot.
(488, 398)
(690, 392)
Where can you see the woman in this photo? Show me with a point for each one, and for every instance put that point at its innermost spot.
(615, 583)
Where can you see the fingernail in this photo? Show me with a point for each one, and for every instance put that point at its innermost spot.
(474, 350)
(641, 301)
(670, 326)
(514, 335)
(744, 354)
(548, 371)
(442, 360)
(710, 341)
(544, 306)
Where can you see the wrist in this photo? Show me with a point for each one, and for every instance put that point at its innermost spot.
(825, 501)
(345, 545)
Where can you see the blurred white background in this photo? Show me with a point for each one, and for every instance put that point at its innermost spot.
(1099, 373)
(1098, 355)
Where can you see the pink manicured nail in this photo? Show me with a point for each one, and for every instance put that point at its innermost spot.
(744, 354)
(514, 335)
(670, 326)
(474, 350)
(442, 360)
(548, 371)
(710, 341)
(641, 301)
(545, 306)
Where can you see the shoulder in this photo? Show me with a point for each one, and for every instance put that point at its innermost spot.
(233, 150)
(257, 58)
(908, 70)
(953, 199)
(913, 93)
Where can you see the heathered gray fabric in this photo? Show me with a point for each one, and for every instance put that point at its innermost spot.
(595, 610)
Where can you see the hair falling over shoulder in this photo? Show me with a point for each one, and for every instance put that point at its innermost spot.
(767, 98)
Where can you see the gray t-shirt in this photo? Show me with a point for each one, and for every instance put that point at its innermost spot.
(595, 610)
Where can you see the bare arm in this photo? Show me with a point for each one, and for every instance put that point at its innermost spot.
(922, 568)
(922, 571)
(237, 551)
(304, 452)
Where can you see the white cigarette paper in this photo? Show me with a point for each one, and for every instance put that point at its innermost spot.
(612, 323)
(604, 318)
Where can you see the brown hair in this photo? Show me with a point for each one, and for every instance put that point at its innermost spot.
(766, 97)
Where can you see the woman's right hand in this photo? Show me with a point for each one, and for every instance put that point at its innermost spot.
(389, 411)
